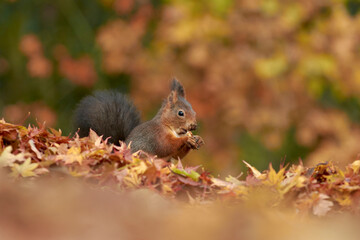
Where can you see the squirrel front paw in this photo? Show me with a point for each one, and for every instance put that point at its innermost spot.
(195, 142)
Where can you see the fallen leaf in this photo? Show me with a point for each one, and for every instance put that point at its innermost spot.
(254, 171)
(355, 166)
(26, 169)
(7, 158)
(73, 155)
(35, 150)
(322, 206)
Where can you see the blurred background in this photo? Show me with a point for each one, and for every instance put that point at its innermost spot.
(270, 80)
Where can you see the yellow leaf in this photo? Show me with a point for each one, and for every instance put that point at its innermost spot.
(135, 170)
(301, 181)
(344, 200)
(255, 172)
(166, 188)
(289, 183)
(355, 166)
(272, 177)
(73, 155)
(132, 180)
(292, 179)
(240, 190)
(7, 158)
(99, 152)
(25, 169)
(233, 180)
(78, 174)
(220, 183)
(275, 178)
(140, 169)
(346, 186)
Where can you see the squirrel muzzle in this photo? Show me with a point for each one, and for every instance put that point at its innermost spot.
(192, 127)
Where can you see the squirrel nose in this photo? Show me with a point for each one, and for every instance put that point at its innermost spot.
(192, 126)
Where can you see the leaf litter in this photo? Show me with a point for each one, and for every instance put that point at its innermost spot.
(34, 152)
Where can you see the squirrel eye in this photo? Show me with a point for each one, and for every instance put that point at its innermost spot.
(181, 113)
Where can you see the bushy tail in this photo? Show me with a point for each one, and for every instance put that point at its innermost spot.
(108, 113)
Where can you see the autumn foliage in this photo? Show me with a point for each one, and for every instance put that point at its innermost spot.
(38, 152)
(271, 81)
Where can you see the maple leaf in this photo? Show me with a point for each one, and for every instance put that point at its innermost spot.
(292, 179)
(255, 172)
(234, 180)
(193, 175)
(57, 133)
(188, 181)
(238, 187)
(93, 137)
(7, 158)
(323, 205)
(187, 172)
(166, 188)
(134, 172)
(91, 157)
(72, 155)
(273, 177)
(140, 167)
(10, 135)
(124, 152)
(231, 184)
(26, 169)
(355, 166)
(322, 170)
(120, 175)
(132, 179)
(343, 199)
(346, 186)
(34, 149)
(221, 183)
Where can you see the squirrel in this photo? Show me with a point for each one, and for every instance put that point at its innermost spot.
(168, 135)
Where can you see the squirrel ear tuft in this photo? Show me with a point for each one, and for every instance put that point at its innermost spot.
(177, 87)
(172, 98)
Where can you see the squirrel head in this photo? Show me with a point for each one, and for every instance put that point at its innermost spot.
(177, 112)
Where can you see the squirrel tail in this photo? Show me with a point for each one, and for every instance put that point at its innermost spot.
(108, 113)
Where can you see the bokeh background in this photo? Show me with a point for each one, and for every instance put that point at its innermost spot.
(270, 80)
